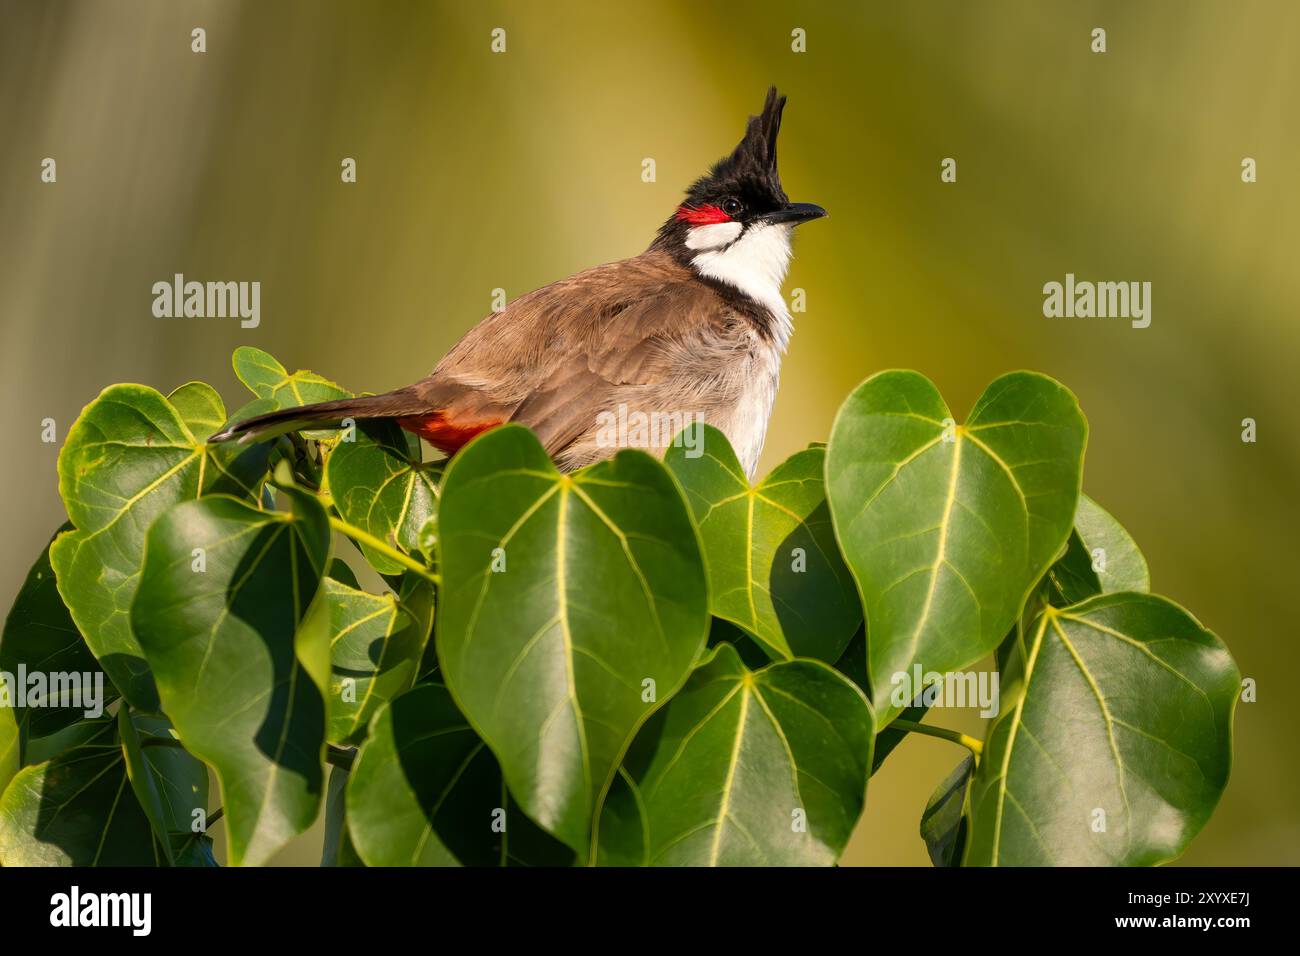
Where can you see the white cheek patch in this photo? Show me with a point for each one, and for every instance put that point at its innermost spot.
(755, 265)
(713, 236)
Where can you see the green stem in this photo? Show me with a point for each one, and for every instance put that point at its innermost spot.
(943, 733)
(365, 537)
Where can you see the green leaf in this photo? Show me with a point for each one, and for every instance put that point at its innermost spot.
(381, 485)
(266, 378)
(376, 644)
(1124, 567)
(751, 652)
(10, 757)
(76, 810)
(426, 791)
(40, 749)
(853, 663)
(774, 567)
(253, 408)
(127, 458)
(337, 848)
(242, 682)
(427, 539)
(942, 823)
(747, 768)
(1100, 558)
(1117, 742)
(200, 407)
(169, 782)
(599, 588)
(39, 636)
(623, 830)
(946, 528)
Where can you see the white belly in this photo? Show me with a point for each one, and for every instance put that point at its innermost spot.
(755, 263)
(746, 424)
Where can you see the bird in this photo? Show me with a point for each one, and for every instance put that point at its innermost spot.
(695, 327)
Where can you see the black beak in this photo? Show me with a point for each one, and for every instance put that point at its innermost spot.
(795, 213)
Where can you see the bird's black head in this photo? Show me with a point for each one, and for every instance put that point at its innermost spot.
(743, 188)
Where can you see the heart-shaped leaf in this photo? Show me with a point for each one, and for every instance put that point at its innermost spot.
(39, 636)
(376, 644)
(240, 679)
(199, 406)
(774, 566)
(746, 768)
(266, 378)
(76, 810)
(942, 823)
(945, 527)
(127, 458)
(426, 791)
(169, 783)
(1100, 558)
(1118, 744)
(381, 485)
(571, 605)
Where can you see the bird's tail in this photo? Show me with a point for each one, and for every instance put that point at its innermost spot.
(403, 403)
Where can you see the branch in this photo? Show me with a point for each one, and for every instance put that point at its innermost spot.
(943, 733)
(365, 537)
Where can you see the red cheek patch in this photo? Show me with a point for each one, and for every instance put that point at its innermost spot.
(702, 215)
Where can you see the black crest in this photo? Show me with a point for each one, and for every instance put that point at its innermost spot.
(753, 161)
(748, 174)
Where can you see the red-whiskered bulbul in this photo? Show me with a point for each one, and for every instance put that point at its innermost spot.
(694, 326)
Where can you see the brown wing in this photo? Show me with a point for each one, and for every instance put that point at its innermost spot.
(555, 358)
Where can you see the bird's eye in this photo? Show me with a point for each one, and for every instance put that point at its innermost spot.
(732, 206)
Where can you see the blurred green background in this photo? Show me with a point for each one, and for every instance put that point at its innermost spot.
(479, 170)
